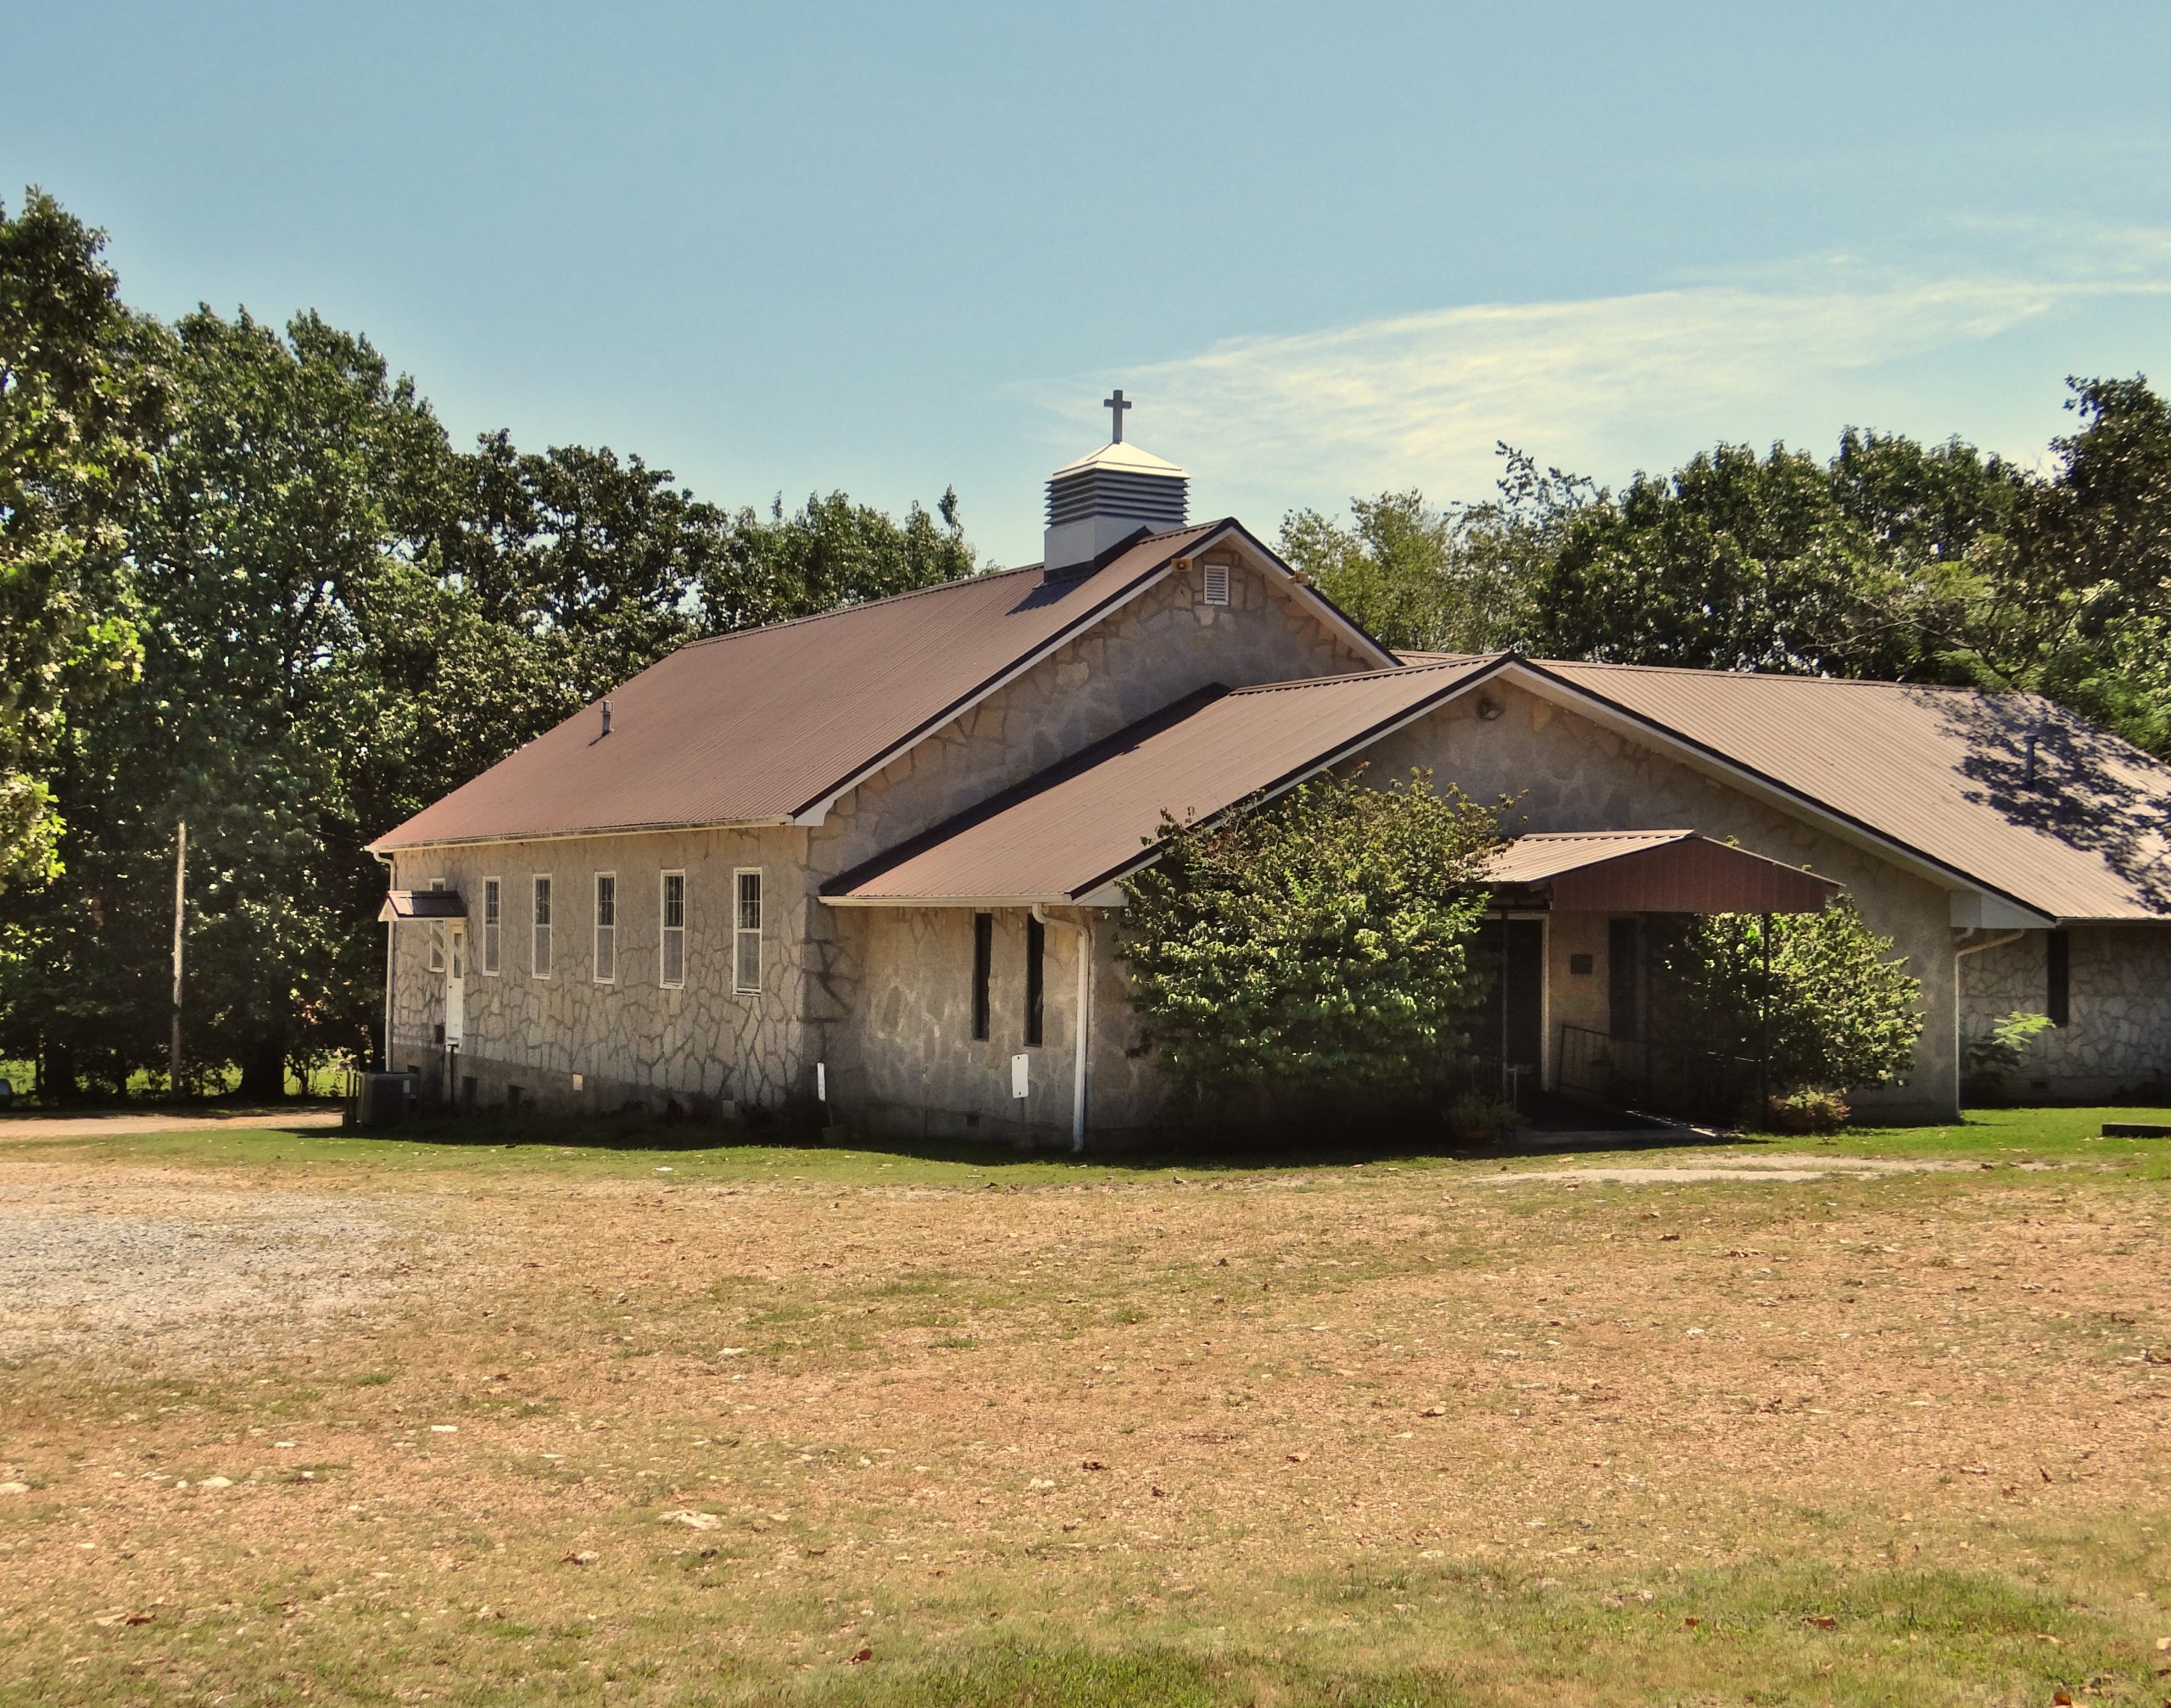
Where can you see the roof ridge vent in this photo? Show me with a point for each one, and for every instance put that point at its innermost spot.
(1109, 495)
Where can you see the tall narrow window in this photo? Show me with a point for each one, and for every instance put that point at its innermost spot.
(1036, 949)
(2058, 982)
(437, 935)
(539, 961)
(746, 935)
(606, 927)
(1217, 584)
(493, 908)
(671, 949)
(1624, 984)
(983, 969)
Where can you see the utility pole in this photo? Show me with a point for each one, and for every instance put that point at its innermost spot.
(180, 904)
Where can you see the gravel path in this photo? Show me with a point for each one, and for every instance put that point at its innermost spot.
(305, 1119)
(172, 1268)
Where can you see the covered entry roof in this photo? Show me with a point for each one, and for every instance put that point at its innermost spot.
(1655, 871)
(422, 904)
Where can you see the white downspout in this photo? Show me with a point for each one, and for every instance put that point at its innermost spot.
(391, 930)
(1084, 936)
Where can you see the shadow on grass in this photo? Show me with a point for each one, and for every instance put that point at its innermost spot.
(1219, 1152)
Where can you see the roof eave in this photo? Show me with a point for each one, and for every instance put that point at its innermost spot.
(384, 846)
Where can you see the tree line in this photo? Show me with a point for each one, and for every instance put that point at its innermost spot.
(246, 580)
(1890, 559)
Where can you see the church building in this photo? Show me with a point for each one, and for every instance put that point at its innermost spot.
(874, 858)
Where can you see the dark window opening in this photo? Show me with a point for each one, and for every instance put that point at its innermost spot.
(983, 965)
(2058, 982)
(1624, 986)
(1036, 949)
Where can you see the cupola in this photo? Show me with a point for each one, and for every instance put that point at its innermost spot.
(1103, 499)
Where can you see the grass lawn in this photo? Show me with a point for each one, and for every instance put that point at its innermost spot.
(297, 1416)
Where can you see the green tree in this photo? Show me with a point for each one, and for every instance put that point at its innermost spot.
(1820, 996)
(84, 404)
(830, 552)
(1425, 578)
(1320, 945)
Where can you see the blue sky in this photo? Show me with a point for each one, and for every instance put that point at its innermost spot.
(1327, 248)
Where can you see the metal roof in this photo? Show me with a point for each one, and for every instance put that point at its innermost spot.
(1062, 834)
(2004, 790)
(1655, 872)
(422, 904)
(1543, 854)
(757, 727)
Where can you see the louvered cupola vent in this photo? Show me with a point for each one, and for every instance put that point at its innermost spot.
(1104, 498)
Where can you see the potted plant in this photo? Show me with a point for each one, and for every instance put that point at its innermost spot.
(1475, 1121)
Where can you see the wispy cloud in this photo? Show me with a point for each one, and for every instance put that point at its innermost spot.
(1422, 399)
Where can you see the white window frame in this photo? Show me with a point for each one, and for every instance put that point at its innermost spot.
(542, 896)
(493, 920)
(597, 942)
(740, 930)
(437, 962)
(665, 929)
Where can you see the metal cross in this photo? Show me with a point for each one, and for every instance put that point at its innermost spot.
(1116, 406)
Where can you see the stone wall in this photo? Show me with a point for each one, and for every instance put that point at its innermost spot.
(1568, 774)
(923, 1072)
(632, 1040)
(871, 994)
(884, 999)
(2118, 1039)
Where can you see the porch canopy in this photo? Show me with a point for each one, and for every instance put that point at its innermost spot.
(422, 904)
(1650, 872)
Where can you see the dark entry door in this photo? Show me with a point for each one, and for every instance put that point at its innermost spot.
(1511, 1028)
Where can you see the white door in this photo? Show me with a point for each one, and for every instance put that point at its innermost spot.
(456, 984)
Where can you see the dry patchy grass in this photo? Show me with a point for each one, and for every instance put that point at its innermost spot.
(1398, 1433)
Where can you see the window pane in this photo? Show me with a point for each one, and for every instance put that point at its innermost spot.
(606, 899)
(674, 955)
(750, 901)
(747, 974)
(675, 900)
(983, 967)
(1036, 951)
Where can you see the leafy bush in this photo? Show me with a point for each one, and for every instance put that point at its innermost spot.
(1808, 1111)
(1826, 997)
(1319, 946)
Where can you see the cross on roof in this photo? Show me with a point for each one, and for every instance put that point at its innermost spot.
(1116, 406)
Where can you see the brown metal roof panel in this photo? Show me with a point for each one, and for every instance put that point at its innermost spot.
(1070, 829)
(752, 727)
(1543, 854)
(1946, 772)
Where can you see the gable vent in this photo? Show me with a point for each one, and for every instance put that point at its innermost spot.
(1217, 584)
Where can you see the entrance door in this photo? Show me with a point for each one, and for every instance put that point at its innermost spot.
(456, 985)
(1509, 1035)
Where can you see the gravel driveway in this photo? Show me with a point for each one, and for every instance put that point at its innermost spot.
(168, 1269)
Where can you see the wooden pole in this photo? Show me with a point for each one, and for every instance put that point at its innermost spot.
(179, 906)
